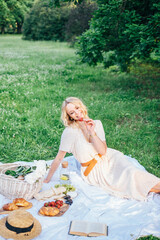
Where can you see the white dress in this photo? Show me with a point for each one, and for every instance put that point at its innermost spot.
(113, 171)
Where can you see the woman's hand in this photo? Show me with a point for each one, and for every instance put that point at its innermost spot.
(90, 126)
(87, 126)
(55, 164)
(46, 180)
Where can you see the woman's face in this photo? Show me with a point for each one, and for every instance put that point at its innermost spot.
(74, 111)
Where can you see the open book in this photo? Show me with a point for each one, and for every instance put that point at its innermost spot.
(90, 229)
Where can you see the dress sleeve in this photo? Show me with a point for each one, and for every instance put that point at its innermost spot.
(100, 130)
(67, 140)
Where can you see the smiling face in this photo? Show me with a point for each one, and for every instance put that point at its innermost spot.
(74, 111)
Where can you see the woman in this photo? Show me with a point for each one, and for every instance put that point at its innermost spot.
(100, 166)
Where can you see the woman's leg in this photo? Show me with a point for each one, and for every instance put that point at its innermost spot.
(156, 188)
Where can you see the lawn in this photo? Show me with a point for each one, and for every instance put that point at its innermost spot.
(35, 77)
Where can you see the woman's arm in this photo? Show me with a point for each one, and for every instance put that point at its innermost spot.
(99, 145)
(88, 129)
(55, 164)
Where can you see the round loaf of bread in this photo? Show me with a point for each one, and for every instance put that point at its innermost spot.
(49, 211)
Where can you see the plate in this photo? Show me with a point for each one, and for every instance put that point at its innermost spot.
(72, 194)
(22, 208)
(62, 209)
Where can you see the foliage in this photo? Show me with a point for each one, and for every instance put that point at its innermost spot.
(79, 18)
(12, 14)
(149, 238)
(35, 81)
(109, 59)
(45, 21)
(20, 171)
(129, 28)
(35, 77)
(59, 2)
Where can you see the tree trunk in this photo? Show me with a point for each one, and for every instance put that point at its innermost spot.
(19, 28)
(2, 30)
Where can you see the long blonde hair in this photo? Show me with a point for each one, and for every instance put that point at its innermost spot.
(67, 121)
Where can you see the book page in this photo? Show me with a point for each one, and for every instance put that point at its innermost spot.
(78, 226)
(88, 228)
(96, 228)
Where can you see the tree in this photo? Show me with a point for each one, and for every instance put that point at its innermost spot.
(12, 14)
(129, 28)
(6, 18)
(59, 2)
(79, 18)
(45, 21)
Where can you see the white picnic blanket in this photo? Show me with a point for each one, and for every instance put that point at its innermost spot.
(126, 219)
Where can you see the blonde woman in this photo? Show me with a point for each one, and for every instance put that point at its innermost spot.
(100, 166)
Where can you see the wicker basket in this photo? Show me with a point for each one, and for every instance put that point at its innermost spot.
(11, 187)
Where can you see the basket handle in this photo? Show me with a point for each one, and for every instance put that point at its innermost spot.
(7, 166)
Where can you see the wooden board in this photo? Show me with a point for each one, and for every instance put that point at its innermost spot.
(22, 208)
(62, 209)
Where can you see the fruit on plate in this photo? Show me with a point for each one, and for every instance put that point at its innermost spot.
(64, 177)
(57, 203)
(69, 188)
(68, 199)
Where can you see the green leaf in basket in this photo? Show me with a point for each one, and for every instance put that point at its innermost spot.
(12, 173)
(20, 171)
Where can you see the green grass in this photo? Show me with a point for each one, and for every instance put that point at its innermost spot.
(148, 238)
(35, 77)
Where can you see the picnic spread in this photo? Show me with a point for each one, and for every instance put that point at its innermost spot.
(45, 210)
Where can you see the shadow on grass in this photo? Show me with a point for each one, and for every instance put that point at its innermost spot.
(142, 81)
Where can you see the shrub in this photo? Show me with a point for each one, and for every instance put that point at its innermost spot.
(78, 21)
(45, 21)
(129, 28)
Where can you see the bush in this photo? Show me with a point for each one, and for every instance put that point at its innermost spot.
(129, 28)
(45, 21)
(78, 21)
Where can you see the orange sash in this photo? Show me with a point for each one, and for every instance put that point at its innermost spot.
(90, 165)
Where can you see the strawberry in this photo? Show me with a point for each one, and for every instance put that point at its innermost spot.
(80, 119)
(53, 204)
